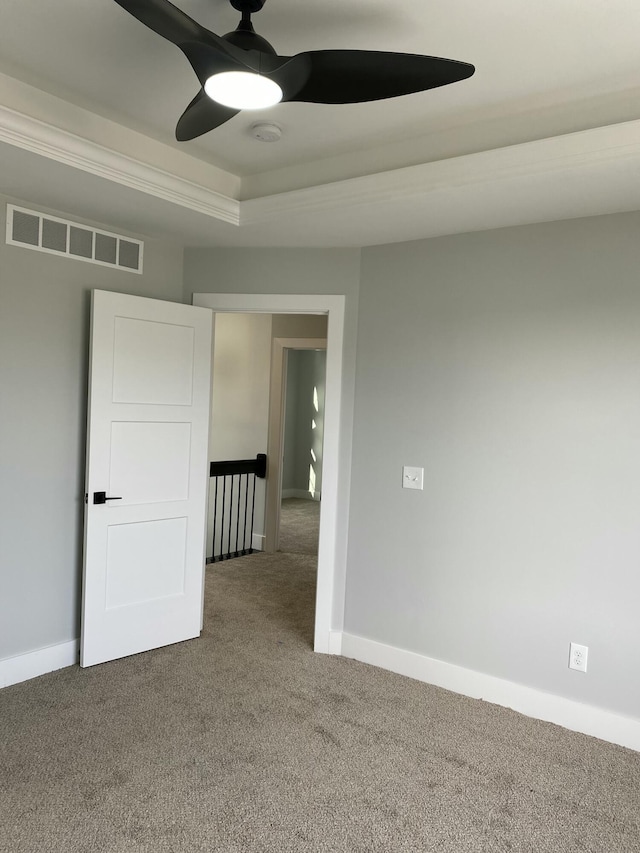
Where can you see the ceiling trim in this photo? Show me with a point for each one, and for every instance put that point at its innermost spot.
(571, 154)
(45, 139)
(560, 154)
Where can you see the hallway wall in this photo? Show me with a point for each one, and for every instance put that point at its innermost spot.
(304, 424)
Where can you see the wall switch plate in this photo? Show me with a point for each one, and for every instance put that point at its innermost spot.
(412, 478)
(578, 657)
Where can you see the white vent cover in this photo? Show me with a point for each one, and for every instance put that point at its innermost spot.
(33, 230)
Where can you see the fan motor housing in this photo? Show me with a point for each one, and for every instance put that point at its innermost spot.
(250, 6)
(245, 37)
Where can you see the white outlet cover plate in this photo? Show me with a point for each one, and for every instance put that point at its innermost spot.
(578, 657)
(412, 478)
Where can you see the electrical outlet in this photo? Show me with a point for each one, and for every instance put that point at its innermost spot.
(578, 657)
(412, 478)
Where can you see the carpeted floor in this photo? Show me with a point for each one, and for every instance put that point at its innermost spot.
(299, 526)
(244, 740)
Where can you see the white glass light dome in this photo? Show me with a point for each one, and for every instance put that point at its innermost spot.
(243, 90)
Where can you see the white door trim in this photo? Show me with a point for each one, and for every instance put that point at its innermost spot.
(331, 549)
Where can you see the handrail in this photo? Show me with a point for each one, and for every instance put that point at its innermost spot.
(257, 466)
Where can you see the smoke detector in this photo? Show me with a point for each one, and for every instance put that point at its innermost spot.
(266, 131)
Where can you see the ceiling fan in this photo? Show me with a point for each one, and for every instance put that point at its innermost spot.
(241, 70)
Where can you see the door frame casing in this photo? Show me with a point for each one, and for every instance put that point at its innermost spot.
(331, 548)
(275, 446)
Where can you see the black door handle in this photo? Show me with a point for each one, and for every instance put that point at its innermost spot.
(101, 498)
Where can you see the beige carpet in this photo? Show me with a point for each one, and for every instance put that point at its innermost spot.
(245, 740)
(299, 526)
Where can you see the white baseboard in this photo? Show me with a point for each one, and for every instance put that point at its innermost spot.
(573, 715)
(30, 665)
(327, 642)
(304, 494)
(335, 642)
(257, 542)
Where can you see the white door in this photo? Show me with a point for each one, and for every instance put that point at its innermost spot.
(147, 476)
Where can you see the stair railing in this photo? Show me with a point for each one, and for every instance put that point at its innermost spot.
(232, 501)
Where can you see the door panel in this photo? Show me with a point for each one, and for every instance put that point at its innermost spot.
(153, 363)
(147, 449)
(134, 472)
(144, 560)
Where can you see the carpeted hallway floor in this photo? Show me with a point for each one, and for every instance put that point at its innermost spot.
(244, 740)
(299, 526)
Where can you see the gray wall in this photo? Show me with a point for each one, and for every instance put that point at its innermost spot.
(44, 322)
(295, 326)
(290, 455)
(304, 424)
(506, 363)
(294, 271)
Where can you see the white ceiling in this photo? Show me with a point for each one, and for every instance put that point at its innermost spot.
(555, 68)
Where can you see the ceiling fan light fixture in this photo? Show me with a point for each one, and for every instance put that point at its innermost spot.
(243, 90)
(312, 76)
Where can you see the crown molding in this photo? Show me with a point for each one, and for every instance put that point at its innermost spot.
(572, 152)
(57, 144)
(578, 155)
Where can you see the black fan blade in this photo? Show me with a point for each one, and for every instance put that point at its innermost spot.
(356, 76)
(172, 23)
(165, 19)
(201, 116)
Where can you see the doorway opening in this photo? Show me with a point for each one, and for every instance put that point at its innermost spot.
(331, 549)
(268, 396)
(307, 386)
(302, 429)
